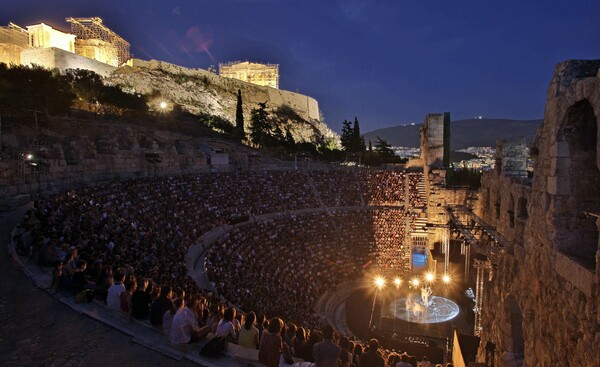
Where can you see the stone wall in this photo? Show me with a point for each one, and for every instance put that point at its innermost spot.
(12, 42)
(56, 58)
(72, 153)
(435, 140)
(511, 157)
(542, 304)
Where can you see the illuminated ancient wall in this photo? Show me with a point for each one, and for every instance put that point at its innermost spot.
(266, 75)
(44, 36)
(97, 50)
(56, 58)
(435, 140)
(12, 41)
(541, 306)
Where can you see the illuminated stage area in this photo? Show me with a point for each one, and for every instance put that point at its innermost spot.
(411, 309)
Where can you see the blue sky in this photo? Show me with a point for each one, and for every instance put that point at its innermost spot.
(387, 62)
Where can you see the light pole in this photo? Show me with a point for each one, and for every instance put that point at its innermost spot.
(379, 283)
(397, 283)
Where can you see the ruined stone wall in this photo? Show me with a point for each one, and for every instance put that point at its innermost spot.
(512, 157)
(77, 153)
(542, 304)
(10, 54)
(56, 58)
(435, 140)
(98, 50)
(12, 42)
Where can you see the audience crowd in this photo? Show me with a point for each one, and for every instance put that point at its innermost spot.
(127, 242)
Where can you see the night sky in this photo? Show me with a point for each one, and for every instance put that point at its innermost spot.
(387, 62)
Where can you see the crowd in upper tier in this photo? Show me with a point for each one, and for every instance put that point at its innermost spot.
(136, 234)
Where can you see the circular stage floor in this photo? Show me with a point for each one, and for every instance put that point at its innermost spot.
(410, 309)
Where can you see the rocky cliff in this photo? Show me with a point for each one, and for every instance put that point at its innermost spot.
(199, 91)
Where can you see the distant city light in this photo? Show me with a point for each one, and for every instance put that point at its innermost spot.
(397, 281)
(29, 156)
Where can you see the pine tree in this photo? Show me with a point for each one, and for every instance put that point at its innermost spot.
(384, 149)
(239, 118)
(346, 138)
(357, 143)
(260, 130)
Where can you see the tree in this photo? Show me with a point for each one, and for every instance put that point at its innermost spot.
(239, 118)
(384, 149)
(260, 130)
(24, 89)
(357, 142)
(346, 138)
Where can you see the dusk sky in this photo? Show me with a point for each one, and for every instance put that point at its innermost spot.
(387, 62)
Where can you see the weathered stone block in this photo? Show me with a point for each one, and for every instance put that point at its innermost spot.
(560, 166)
(560, 149)
(559, 185)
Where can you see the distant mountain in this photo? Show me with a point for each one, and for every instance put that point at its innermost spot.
(463, 133)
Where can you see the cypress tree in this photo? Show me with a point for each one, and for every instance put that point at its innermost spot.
(239, 118)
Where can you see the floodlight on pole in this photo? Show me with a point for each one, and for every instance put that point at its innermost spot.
(446, 279)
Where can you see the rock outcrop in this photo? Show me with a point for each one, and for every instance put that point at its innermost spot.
(199, 91)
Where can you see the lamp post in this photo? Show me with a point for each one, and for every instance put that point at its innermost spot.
(397, 283)
(379, 283)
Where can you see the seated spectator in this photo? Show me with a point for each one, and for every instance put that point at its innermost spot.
(327, 353)
(249, 333)
(161, 305)
(113, 299)
(184, 327)
(425, 362)
(270, 344)
(346, 352)
(225, 327)
(371, 357)
(141, 301)
(130, 287)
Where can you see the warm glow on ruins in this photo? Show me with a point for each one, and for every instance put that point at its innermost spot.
(266, 75)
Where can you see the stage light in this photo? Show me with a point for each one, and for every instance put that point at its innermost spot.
(429, 277)
(397, 282)
(379, 282)
(415, 282)
(163, 105)
(446, 278)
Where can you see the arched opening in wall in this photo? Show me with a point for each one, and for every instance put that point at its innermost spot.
(515, 341)
(511, 211)
(522, 209)
(580, 131)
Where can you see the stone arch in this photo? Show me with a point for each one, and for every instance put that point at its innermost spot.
(580, 132)
(514, 338)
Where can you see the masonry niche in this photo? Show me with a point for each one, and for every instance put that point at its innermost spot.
(580, 133)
